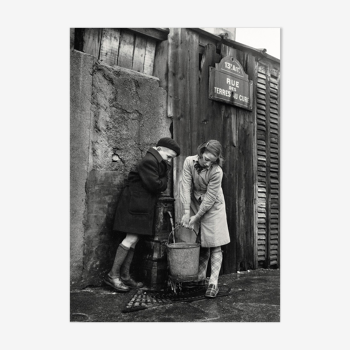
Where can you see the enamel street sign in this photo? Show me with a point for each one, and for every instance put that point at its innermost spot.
(228, 83)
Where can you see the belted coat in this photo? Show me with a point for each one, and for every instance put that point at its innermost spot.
(135, 209)
(201, 193)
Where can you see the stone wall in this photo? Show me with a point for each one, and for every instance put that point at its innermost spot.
(80, 125)
(127, 110)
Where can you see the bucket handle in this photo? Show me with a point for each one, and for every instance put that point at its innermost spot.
(175, 228)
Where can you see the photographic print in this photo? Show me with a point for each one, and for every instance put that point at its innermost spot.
(175, 174)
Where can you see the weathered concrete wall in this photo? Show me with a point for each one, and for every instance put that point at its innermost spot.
(80, 124)
(129, 116)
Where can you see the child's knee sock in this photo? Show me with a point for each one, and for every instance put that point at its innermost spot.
(120, 256)
(203, 263)
(216, 261)
(125, 268)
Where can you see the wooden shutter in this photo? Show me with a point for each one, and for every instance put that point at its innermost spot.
(274, 137)
(268, 165)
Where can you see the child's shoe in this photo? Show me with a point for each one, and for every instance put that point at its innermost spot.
(116, 283)
(212, 291)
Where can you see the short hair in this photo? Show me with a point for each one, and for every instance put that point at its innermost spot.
(214, 147)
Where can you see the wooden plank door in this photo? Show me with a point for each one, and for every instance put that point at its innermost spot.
(196, 119)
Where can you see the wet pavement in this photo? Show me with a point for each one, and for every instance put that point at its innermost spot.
(254, 297)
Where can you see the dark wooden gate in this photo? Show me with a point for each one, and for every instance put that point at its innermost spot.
(196, 118)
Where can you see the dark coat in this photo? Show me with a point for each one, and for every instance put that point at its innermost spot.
(135, 211)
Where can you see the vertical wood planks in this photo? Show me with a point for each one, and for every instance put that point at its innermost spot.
(249, 174)
(110, 46)
(229, 184)
(79, 39)
(172, 39)
(244, 191)
(218, 121)
(249, 140)
(149, 56)
(200, 119)
(183, 97)
(208, 60)
(240, 195)
(114, 46)
(192, 79)
(171, 72)
(176, 87)
(234, 137)
(215, 117)
(92, 41)
(238, 186)
(71, 32)
(160, 69)
(139, 53)
(126, 50)
(227, 51)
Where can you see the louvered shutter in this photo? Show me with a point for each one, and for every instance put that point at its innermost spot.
(268, 155)
(274, 207)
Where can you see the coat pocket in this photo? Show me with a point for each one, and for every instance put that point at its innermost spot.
(141, 202)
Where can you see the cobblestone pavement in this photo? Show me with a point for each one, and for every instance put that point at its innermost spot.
(254, 297)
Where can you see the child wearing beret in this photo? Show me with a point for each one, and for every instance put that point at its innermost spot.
(135, 210)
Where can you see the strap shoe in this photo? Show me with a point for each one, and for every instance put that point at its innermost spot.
(130, 282)
(212, 291)
(116, 283)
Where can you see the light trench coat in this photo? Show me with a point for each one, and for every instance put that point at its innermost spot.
(202, 195)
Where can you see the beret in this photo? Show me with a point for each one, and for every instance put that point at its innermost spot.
(169, 143)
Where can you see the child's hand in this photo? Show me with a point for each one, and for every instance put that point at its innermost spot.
(193, 220)
(185, 219)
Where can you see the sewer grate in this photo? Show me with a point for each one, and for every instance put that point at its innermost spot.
(145, 299)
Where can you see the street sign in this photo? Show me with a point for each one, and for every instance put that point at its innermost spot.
(229, 83)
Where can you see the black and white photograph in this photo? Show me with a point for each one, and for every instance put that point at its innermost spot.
(174, 175)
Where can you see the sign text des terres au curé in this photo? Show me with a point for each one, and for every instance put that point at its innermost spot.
(228, 83)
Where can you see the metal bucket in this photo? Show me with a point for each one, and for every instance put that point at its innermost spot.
(183, 261)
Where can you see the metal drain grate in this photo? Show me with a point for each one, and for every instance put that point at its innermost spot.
(144, 299)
